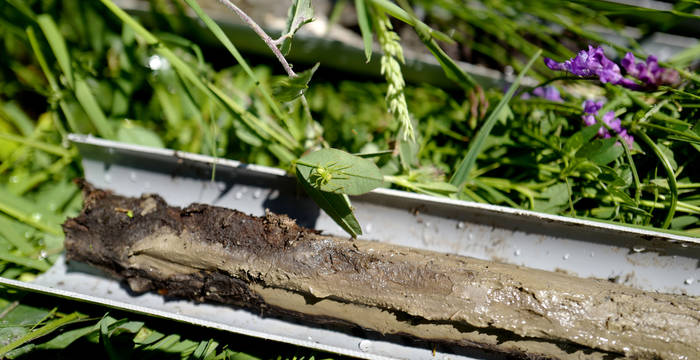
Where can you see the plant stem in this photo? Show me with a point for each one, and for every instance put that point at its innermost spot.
(272, 44)
(670, 176)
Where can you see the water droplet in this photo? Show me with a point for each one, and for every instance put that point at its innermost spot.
(274, 194)
(517, 252)
(365, 345)
(36, 217)
(368, 228)
(221, 186)
(132, 176)
(28, 234)
(471, 237)
(155, 62)
(592, 254)
(309, 338)
(428, 224)
(566, 256)
(638, 249)
(257, 194)
(239, 195)
(14, 179)
(460, 225)
(108, 178)
(684, 245)
(689, 281)
(42, 254)
(110, 151)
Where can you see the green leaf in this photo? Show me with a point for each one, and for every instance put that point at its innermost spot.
(335, 171)
(460, 176)
(337, 206)
(39, 332)
(621, 195)
(580, 138)
(135, 134)
(681, 222)
(557, 196)
(610, 177)
(601, 151)
(63, 340)
(291, 88)
(363, 22)
(299, 13)
(668, 153)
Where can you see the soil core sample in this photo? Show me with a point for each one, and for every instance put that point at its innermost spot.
(274, 267)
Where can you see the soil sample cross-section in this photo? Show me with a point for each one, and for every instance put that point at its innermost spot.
(272, 266)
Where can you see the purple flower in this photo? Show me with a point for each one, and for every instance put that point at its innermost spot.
(548, 92)
(593, 63)
(649, 72)
(588, 64)
(592, 107)
(590, 110)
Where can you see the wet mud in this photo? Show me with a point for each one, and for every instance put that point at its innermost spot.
(274, 267)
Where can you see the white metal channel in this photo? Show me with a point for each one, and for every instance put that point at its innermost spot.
(644, 259)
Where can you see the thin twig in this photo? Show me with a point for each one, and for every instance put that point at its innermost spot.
(272, 44)
(262, 34)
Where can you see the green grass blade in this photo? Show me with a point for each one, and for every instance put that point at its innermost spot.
(49, 148)
(18, 117)
(462, 173)
(92, 108)
(224, 40)
(451, 69)
(363, 22)
(670, 176)
(25, 261)
(29, 213)
(270, 129)
(397, 12)
(13, 232)
(57, 44)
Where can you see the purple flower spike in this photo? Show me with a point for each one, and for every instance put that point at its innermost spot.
(589, 63)
(593, 63)
(649, 72)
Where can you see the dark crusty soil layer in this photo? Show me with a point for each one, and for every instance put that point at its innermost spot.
(275, 267)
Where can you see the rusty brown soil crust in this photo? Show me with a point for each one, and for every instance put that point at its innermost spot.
(275, 267)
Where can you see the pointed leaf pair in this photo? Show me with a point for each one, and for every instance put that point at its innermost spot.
(293, 87)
